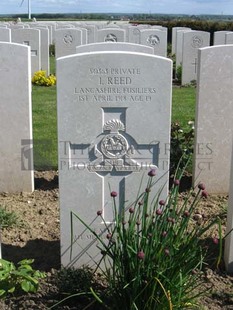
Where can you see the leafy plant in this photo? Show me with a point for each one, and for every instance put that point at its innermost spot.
(181, 146)
(152, 254)
(7, 219)
(41, 79)
(21, 278)
(179, 74)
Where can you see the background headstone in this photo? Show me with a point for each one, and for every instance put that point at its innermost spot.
(16, 153)
(5, 35)
(155, 38)
(192, 41)
(29, 37)
(66, 41)
(219, 37)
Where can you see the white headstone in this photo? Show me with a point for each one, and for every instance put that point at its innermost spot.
(134, 35)
(113, 127)
(29, 37)
(219, 37)
(229, 38)
(66, 41)
(16, 154)
(114, 46)
(174, 34)
(91, 33)
(192, 41)
(156, 39)
(228, 248)
(214, 118)
(5, 35)
(44, 36)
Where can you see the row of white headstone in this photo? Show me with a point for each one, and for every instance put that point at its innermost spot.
(185, 46)
(114, 125)
(68, 36)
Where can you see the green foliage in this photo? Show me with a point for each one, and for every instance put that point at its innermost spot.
(18, 279)
(72, 280)
(52, 50)
(152, 254)
(7, 219)
(181, 146)
(179, 74)
(41, 79)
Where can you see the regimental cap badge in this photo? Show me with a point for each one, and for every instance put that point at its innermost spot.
(114, 126)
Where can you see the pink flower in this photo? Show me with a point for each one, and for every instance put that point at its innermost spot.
(201, 186)
(152, 173)
(141, 255)
(159, 212)
(204, 194)
(109, 236)
(176, 182)
(113, 194)
(215, 240)
(162, 202)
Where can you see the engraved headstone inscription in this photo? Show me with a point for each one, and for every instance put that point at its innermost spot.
(113, 127)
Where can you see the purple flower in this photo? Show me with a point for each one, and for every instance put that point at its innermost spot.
(131, 210)
(176, 182)
(201, 186)
(147, 190)
(204, 194)
(215, 240)
(159, 212)
(152, 173)
(164, 233)
(162, 202)
(113, 194)
(140, 203)
(109, 236)
(141, 255)
(99, 212)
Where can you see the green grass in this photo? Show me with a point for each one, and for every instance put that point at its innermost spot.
(44, 113)
(183, 105)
